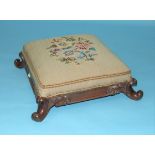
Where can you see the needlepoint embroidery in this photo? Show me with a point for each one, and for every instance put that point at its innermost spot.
(72, 50)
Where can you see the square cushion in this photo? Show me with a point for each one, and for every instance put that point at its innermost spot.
(72, 63)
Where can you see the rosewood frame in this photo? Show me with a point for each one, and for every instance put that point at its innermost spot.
(45, 104)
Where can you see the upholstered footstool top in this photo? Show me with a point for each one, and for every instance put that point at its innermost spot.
(73, 68)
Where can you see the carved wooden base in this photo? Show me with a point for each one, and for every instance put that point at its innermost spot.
(45, 104)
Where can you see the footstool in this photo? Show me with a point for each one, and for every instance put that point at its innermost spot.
(72, 69)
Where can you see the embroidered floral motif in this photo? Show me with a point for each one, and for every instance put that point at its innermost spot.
(72, 50)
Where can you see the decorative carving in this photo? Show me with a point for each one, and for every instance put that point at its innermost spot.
(113, 90)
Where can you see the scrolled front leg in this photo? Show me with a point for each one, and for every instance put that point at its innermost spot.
(19, 63)
(42, 111)
(131, 93)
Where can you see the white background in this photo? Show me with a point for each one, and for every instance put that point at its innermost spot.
(81, 10)
(77, 9)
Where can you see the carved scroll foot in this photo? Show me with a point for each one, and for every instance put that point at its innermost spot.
(42, 111)
(130, 91)
(19, 63)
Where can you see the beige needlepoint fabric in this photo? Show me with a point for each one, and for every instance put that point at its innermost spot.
(72, 63)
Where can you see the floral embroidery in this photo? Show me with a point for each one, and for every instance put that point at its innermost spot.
(72, 49)
(82, 45)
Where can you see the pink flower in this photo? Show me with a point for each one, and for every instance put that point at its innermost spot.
(82, 45)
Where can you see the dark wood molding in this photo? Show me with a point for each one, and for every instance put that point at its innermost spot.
(45, 104)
